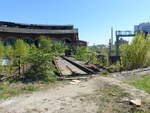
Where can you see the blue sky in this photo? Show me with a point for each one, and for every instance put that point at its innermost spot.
(94, 18)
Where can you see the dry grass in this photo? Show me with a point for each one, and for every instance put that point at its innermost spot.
(8, 89)
(109, 99)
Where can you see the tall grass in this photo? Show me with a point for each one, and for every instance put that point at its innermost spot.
(136, 54)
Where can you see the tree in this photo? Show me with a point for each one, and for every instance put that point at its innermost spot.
(52, 46)
(45, 44)
(42, 67)
(42, 60)
(58, 48)
(37, 60)
(9, 52)
(21, 52)
(21, 48)
(82, 53)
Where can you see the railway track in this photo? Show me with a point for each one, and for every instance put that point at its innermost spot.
(68, 66)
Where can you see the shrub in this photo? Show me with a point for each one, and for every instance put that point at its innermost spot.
(52, 46)
(38, 61)
(42, 67)
(134, 55)
(2, 50)
(86, 54)
(9, 52)
(116, 67)
(105, 72)
(41, 60)
(82, 53)
(21, 48)
(94, 58)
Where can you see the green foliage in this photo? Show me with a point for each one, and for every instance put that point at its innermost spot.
(9, 52)
(100, 50)
(105, 61)
(6, 91)
(87, 54)
(58, 48)
(94, 58)
(52, 46)
(135, 54)
(2, 49)
(143, 83)
(42, 67)
(91, 54)
(21, 48)
(113, 50)
(29, 88)
(41, 60)
(82, 53)
(1, 57)
(147, 60)
(21, 53)
(104, 72)
(31, 62)
(45, 44)
(33, 50)
(116, 67)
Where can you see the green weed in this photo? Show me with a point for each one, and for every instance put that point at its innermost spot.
(143, 83)
(29, 88)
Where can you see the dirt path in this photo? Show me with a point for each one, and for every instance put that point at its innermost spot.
(64, 99)
(55, 100)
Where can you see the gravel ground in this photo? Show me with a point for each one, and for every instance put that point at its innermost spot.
(65, 98)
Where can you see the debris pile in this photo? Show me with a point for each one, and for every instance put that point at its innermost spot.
(68, 66)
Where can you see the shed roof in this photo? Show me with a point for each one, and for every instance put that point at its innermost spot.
(36, 31)
(4, 22)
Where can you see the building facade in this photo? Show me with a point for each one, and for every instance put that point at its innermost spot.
(145, 27)
(10, 31)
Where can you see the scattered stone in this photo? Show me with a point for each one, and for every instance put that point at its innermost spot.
(114, 75)
(46, 109)
(74, 82)
(44, 99)
(77, 81)
(125, 99)
(112, 94)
